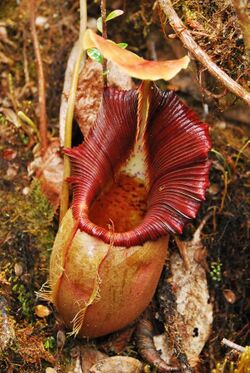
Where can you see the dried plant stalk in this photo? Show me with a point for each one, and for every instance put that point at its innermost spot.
(70, 111)
(41, 81)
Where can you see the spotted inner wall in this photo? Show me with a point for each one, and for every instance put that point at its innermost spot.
(121, 206)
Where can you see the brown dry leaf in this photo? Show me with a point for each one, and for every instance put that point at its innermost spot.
(90, 88)
(3, 33)
(11, 116)
(50, 370)
(189, 284)
(132, 64)
(230, 296)
(88, 96)
(4, 36)
(117, 364)
(5, 60)
(118, 341)
(42, 311)
(83, 358)
(9, 154)
(7, 333)
(89, 91)
(31, 347)
(49, 170)
(89, 357)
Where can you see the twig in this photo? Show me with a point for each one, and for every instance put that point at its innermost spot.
(241, 151)
(189, 43)
(64, 198)
(41, 81)
(225, 173)
(25, 60)
(232, 345)
(104, 35)
(12, 92)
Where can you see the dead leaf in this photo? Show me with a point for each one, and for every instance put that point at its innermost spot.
(118, 341)
(5, 60)
(195, 314)
(42, 311)
(117, 364)
(89, 91)
(50, 370)
(3, 33)
(132, 64)
(49, 170)
(11, 116)
(7, 333)
(89, 357)
(230, 296)
(9, 154)
(11, 172)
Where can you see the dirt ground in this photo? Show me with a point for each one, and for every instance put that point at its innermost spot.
(29, 343)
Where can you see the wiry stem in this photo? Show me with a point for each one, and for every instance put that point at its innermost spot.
(104, 35)
(189, 43)
(70, 111)
(41, 81)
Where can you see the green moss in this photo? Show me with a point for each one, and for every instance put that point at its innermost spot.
(50, 343)
(31, 215)
(28, 231)
(215, 272)
(26, 300)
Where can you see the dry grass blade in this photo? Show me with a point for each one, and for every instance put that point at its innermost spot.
(41, 80)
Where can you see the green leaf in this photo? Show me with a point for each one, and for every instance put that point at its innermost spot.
(122, 45)
(114, 14)
(99, 24)
(95, 54)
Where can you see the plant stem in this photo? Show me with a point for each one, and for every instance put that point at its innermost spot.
(189, 43)
(104, 35)
(232, 345)
(64, 199)
(41, 81)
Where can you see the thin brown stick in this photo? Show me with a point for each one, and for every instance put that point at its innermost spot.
(41, 80)
(104, 35)
(189, 43)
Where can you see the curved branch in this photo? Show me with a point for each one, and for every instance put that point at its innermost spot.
(189, 43)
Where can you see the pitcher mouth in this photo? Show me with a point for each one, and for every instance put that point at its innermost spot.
(159, 148)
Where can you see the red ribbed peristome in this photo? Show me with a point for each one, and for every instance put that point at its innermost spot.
(177, 146)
